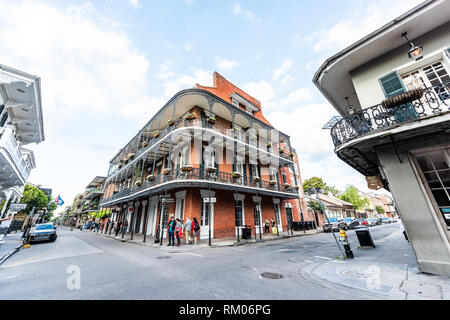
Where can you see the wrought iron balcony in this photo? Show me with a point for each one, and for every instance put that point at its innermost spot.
(434, 101)
(202, 174)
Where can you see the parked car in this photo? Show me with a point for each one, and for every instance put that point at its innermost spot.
(43, 232)
(350, 223)
(391, 220)
(363, 222)
(332, 226)
(385, 220)
(394, 220)
(372, 222)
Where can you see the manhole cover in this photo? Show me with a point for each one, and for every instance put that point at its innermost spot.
(163, 257)
(271, 275)
(356, 274)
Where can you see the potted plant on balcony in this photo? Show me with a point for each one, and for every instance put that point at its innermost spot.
(272, 182)
(138, 183)
(131, 156)
(286, 185)
(253, 136)
(403, 98)
(291, 154)
(211, 120)
(255, 179)
(125, 160)
(296, 187)
(186, 167)
(171, 122)
(190, 116)
(155, 134)
(166, 171)
(269, 144)
(144, 144)
(211, 169)
(150, 177)
(281, 150)
(235, 174)
(119, 165)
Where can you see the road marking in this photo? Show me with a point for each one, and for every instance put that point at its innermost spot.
(281, 250)
(326, 258)
(12, 276)
(192, 254)
(309, 261)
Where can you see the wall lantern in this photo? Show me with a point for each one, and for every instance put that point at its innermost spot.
(350, 109)
(415, 52)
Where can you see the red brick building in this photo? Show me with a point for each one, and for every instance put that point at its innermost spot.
(206, 142)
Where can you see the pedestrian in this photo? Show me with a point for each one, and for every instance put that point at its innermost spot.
(196, 229)
(272, 225)
(119, 224)
(171, 230)
(125, 225)
(178, 231)
(266, 226)
(187, 227)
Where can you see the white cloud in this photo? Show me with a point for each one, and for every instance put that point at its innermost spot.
(287, 80)
(366, 18)
(299, 95)
(247, 14)
(134, 3)
(285, 67)
(177, 82)
(224, 64)
(263, 91)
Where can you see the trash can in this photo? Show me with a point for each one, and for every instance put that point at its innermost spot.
(364, 237)
(246, 232)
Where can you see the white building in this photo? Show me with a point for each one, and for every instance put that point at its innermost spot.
(393, 96)
(21, 123)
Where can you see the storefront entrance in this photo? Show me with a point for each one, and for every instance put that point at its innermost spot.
(206, 220)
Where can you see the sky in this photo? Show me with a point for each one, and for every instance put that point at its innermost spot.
(107, 66)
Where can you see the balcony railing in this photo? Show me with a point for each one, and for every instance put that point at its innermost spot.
(201, 174)
(184, 123)
(9, 143)
(435, 100)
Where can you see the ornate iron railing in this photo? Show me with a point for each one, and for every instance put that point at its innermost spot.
(201, 174)
(435, 100)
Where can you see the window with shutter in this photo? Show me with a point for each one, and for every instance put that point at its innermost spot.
(391, 84)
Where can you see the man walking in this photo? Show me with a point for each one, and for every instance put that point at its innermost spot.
(171, 228)
(187, 227)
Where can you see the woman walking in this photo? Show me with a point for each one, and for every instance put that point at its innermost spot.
(178, 231)
(195, 229)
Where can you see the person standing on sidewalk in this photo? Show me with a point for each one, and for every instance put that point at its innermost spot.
(187, 229)
(196, 229)
(266, 226)
(171, 230)
(178, 231)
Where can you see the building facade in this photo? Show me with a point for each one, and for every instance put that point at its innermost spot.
(21, 123)
(206, 142)
(392, 91)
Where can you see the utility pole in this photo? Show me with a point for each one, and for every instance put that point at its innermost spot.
(326, 217)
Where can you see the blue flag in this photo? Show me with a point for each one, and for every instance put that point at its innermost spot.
(59, 201)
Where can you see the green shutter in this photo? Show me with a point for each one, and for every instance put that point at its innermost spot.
(391, 84)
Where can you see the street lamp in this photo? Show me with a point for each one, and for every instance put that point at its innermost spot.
(316, 191)
(415, 52)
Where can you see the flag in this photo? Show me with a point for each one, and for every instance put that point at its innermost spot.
(59, 201)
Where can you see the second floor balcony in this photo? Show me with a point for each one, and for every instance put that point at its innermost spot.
(396, 111)
(15, 166)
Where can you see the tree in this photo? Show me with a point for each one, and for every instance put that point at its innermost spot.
(351, 195)
(317, 182)
(379, 209)
(34, 197)
(314, 205)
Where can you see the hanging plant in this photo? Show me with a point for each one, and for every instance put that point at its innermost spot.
(156, 134)
(272, 182)
(119, 165)
(236, 174)
(269, 144)
(281, 150)
(291, 154)
(125, 160)
(138, 183)
(190, 116)
(171, 122)
(166, 171)
(211, 120)
(131, 156)
(256, 179)
(186, 167)
(211, 169)
(287, 185)
(253, 136)
(151, 177)
(403, 98)
(296, 187)
(144, 144)
(235, 129)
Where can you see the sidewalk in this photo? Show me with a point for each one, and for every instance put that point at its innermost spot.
(390, 269)
(10, 244)
(223, 242)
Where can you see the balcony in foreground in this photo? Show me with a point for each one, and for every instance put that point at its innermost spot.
(198, 177)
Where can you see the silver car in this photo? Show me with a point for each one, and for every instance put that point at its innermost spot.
(43, 232)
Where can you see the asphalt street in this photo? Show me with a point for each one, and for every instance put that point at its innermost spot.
(84, 265)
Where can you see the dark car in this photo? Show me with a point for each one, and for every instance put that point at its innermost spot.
(333, 225)
(43, 232)
(349, 223)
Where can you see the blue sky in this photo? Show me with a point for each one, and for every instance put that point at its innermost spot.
(107, 66)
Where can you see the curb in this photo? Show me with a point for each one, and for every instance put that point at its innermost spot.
(8, 255)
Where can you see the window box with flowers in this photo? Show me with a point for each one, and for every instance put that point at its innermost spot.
(211, 169)
(171, 122)
(186, 167)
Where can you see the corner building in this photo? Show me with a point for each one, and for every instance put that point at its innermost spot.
(206, 142)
